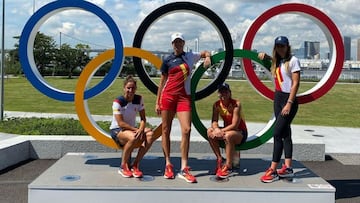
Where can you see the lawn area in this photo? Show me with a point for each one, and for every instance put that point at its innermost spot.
(339, 107)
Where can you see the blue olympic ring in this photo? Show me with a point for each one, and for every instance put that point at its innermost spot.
(26, 43)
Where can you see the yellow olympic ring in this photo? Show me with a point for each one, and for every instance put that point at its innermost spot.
(81, 104)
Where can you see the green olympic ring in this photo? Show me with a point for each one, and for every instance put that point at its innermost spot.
(253, 141)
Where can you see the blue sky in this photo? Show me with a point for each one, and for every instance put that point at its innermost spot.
(78, 26)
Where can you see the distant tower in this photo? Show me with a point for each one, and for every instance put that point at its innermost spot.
(358, 49)
(311, 49)
(347, 46)
(196, 44)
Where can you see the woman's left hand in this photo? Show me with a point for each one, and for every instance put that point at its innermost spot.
(286, 110)
(139, 134)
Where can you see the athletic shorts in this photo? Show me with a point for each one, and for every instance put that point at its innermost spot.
(177, 103)
(245, 135)
(113, 133)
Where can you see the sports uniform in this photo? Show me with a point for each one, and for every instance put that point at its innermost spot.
(128, 110)
(226, 113)
(175, 95)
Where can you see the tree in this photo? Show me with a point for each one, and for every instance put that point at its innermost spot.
(44, 52)
(48, 58)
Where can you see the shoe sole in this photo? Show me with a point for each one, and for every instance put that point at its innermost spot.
(182, 177)
(172, 177)
(287, 175)
(223, 177)
(229, 175)
(135, 176)
(123, 175)
(270, 181)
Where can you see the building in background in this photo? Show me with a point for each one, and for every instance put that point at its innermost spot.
(309, 50)
(358, 50)
(347, 47)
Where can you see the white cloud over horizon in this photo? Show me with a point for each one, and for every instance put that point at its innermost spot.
(84, 27)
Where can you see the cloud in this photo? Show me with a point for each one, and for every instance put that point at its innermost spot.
(237, 15)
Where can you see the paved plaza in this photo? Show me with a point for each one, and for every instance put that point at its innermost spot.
(340, 168)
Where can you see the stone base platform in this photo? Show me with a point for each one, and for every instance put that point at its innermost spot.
(93, 177)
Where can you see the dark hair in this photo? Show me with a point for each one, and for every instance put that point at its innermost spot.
(128, 79)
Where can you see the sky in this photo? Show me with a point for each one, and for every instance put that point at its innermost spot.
(74, 26)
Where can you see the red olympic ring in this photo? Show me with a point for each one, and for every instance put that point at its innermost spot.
(327, 26)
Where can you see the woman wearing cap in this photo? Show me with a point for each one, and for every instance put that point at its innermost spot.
(285, 69)
(173, 97)
(232, 133)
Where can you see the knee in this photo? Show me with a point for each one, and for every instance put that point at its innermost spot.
(150, 137)
(228, 137)
(186, 130)
(209, 132)
(131, 139)
(165, 130)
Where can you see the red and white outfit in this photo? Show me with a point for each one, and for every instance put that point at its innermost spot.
(128, 110)
(175, 95)
(227, 112)
(283, 76)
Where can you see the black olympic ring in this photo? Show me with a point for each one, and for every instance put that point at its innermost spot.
(207, 14)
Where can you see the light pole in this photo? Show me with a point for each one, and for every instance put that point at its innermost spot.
(2, 62)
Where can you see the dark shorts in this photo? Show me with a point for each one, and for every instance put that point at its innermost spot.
(245, 136)
(113, 133)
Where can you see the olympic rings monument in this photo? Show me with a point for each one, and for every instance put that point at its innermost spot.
(92, 177)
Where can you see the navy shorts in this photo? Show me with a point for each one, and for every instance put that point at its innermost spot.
(245, 135)
(113, 133)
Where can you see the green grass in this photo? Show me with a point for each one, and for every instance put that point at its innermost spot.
(339, 107)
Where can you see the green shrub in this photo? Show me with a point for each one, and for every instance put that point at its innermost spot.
(46, 126)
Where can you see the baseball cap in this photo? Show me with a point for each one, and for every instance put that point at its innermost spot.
(282, 40)
(224, 86)
(177, 35)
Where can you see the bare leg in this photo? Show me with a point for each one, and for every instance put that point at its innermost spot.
(231, 138)
(145, 146)
(167, 118)
(185, 123)
(214, 144)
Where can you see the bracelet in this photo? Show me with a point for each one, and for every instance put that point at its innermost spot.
(290, 101)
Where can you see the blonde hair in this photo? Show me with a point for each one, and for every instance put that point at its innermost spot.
(276, 59)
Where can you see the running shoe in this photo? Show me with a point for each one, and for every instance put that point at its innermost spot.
(125, 172)
(269, 176)
(136, 172)
(224, 172)
(218, 166)
(169, 172)
(285, 172)
(186, 175)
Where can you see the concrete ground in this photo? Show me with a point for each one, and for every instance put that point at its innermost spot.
(341, 167)
(345, 178)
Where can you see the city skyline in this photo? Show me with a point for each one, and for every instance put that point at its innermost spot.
(79, 26)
